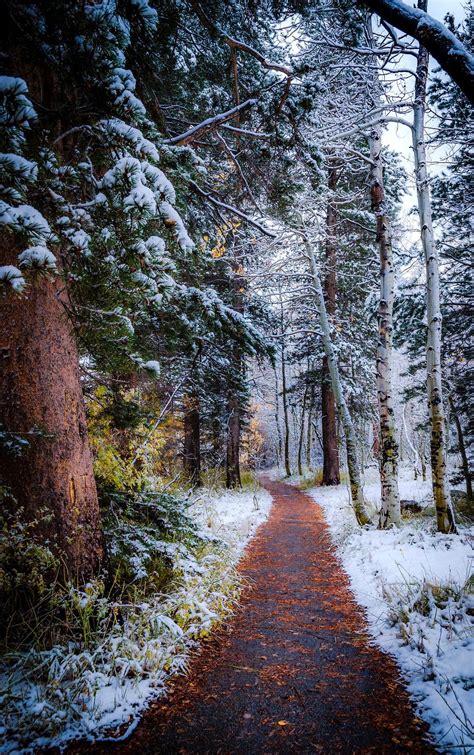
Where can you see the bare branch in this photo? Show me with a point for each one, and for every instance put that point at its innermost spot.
(210, 124)
(232, 209)
(237, 44)
(246, 132)
(441, 43)
(240, 171)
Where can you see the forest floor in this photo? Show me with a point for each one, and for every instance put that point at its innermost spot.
(294, 670)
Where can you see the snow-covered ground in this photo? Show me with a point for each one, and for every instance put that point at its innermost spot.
(96, 690)
(233, 516)
(412, 583)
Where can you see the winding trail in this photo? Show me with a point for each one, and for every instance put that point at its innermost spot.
(294, 671)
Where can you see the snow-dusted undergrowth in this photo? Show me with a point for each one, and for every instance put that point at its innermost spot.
(98, 687)
(414, 586)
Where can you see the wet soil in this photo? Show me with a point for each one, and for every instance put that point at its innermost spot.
(294, 670)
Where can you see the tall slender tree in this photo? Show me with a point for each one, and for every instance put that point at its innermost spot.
(331, 474)
(441, 493)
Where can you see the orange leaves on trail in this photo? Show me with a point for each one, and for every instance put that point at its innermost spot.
(277, 674)
(294, 671)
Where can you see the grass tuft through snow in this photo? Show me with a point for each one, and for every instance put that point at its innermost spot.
(96, 686)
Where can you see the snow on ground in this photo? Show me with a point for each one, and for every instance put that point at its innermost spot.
(50, 697)
(412, 583)
(233, 516)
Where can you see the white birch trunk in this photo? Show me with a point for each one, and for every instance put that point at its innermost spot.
(390, 506)
(358, 501)
(441, 493)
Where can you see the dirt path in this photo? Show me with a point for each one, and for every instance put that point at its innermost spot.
(293, 671)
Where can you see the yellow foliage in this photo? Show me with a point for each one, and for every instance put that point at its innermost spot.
(221, 237)
(252, 439)
(126, 458)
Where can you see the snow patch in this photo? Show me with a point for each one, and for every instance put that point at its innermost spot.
(11, 276)
(412, 582)
(38, 257)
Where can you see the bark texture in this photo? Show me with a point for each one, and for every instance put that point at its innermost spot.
(358, 501)
(309, 430)
(441, 493)
(279, 445)
(41, 400)
(301, 433)
(390, 506)
(331, 472)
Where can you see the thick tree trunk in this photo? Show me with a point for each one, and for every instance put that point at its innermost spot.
(233, 446)
(390, 505)
(192, 441)
(331, 473)
(376, 442)
(234, 402)
(345, 417)
(41, 401)
(441, 493)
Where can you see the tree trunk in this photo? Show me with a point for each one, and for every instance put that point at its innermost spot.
(390, 503)
(233, 446)
(423, 463)
(358, 501)
(41, 401)
(285, 413)
(462, 450)
(192, 441)
(277, 420)
(444, 511)
(331, 473)
(309, 432)
(300, 441)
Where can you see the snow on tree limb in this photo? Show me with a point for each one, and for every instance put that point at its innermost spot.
(441, 43)
(247, 132)
(210, 124)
